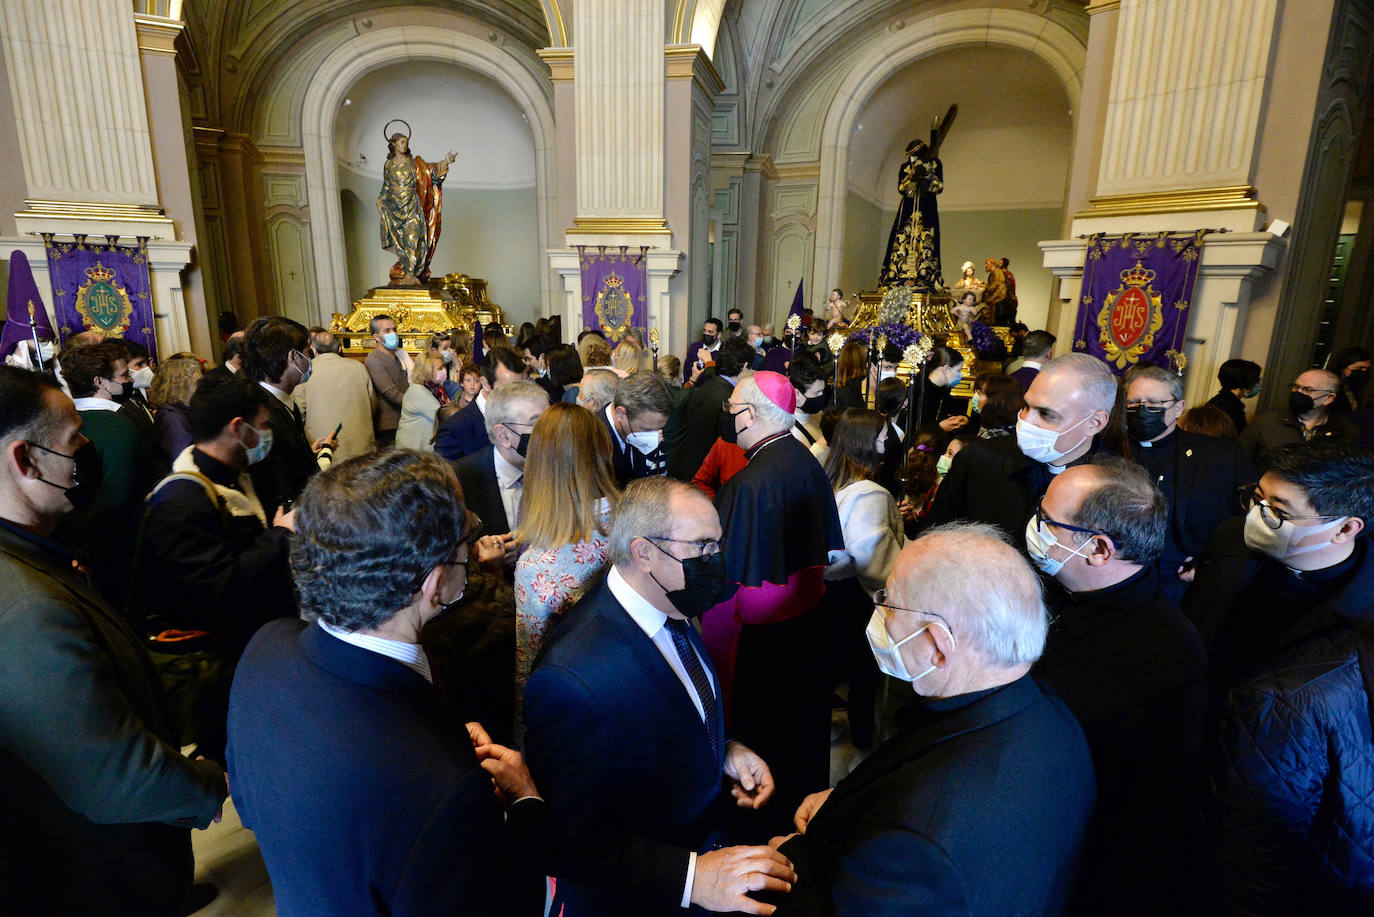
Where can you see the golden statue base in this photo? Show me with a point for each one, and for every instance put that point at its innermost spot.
(457, 302)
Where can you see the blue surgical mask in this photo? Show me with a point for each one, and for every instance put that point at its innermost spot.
(391, 340)
(258, 452)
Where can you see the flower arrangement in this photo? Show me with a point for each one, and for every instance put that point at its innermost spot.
(899, 334)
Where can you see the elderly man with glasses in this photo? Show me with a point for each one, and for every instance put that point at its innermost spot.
(981, 804)
(1197, 474)
(625, 733)
(1308, 416)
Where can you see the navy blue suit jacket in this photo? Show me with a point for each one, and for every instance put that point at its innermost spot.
(482, 490)
(980, 808)
(363, 789)
(462, 434)
(618, 749)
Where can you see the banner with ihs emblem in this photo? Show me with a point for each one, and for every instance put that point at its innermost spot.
(614, 289)
(1136, 292)
(102, 287)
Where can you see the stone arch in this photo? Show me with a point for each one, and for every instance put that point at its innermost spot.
(370, 51)
(872, 66)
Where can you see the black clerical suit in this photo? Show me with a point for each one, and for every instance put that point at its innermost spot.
(1233, 407)
(1199, 476)
(282, 475)
(980, 807)
(482, 490)
(698, 424)
(1132, 670)
(1248, 606)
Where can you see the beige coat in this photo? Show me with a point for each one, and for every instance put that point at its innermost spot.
(339, 391)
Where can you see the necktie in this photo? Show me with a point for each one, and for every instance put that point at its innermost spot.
(700, 680)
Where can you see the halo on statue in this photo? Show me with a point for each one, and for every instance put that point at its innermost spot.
(387, 137)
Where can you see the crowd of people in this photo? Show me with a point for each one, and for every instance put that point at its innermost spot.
(508, 625)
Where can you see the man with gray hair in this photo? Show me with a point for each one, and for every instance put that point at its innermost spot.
(1133, 670)
(624, 728)
(597, 389)
(643, 403)
(782, 529)
(1307, 416)
(981, 804)
(493, 479)
(338, 395)
(1198, 474)
(1068, 406)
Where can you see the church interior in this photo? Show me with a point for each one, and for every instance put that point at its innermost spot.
(746, 146)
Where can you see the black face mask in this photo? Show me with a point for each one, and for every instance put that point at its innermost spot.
(1145, 424)
(703, 584)
(812, 405)
(1300, 403)
(523, 447)
(1357, 379)
(734, 327)
(708, 339)
(728, 431)
(125, 390)
(86, 476)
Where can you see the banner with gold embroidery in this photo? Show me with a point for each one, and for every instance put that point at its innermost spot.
(102, 287)
(614, 288)
(1136, 291)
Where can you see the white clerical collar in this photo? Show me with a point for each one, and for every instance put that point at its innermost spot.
(1031, 364)
(649, 618)
(95, 404)
(409, 655)
(506, 474)
(281, 396)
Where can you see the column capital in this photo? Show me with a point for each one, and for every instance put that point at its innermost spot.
(682, 62)
(157, 34)
(560, 61)
(1102, 6)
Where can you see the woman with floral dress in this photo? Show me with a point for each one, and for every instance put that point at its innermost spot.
(570, 493)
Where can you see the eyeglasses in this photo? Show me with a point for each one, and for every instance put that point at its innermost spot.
(1041, 519)
(1311, 392)
(704, 548)
(1271, 515)
(1153, 405)
(726, 406)
(880, 601)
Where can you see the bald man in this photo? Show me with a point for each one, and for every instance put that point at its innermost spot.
(1307, 418)
(981, 805)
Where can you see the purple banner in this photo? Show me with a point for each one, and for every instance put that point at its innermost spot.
(1136, 292)
(103, 287)
(614, 289)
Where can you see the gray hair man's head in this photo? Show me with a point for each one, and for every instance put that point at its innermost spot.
(597, 389)
(1157, 374)
(324, 342)
(995, 609)
(646, 511)
(504, 401)
(772, 419)
(1126, 506)
(1097, 383)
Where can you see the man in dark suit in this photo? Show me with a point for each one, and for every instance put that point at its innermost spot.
(374, 797)
(1132, 669)
(232, 357)
(624, 728)
(465, 433)
(696, 423)
(1239, 379)
(1037, 350)
(704, 349)
(1000, 480)
(980, 805)
(493, 479)
(1198, 474)
(98, 802)
(643, 403)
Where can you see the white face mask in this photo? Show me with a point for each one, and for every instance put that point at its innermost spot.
(645, 441)
(1038, 544)
(1037, 443)
(1276, 543)
(885, 652)
(887, 374)
(143, 377)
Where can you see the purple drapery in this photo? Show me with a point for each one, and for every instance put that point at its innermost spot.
(614, 289)
(102, 286)
(1137, 289)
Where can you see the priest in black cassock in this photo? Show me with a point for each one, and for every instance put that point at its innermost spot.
(768, 642)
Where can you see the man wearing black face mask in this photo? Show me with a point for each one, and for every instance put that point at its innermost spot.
(1197, 474)
(628, 679)
(1309, 416)
(117, 464)
(704, 349)
(493, 479)
(808, 380)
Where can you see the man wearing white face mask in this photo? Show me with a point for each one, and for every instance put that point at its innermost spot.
(999, 481)
(1132, 669)
(643, 403)
(1295, 562)
(909, 824)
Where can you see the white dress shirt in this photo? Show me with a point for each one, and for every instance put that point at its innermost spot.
(280, 395)
(652, 621)
(511, 482)
(95, 404)
(409, 655)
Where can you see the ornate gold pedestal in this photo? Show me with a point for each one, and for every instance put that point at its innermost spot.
(455, 302)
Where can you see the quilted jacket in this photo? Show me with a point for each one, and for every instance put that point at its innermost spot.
(1290, 822)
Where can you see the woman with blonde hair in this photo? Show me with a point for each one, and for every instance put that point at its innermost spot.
(627, 359)
(422, 400)
(441, 343)
(570, 494)
(170, 392)
(849, 376)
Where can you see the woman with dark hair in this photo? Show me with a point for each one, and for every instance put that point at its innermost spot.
(849, 378)
(1239, 379)
(1351, 364)
(565, 372)
(523, 336)
(942, 372)
(922, 476)
(997, 400)
(873, 537)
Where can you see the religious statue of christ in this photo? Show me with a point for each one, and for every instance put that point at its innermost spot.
(411, 209)
(913, 246)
